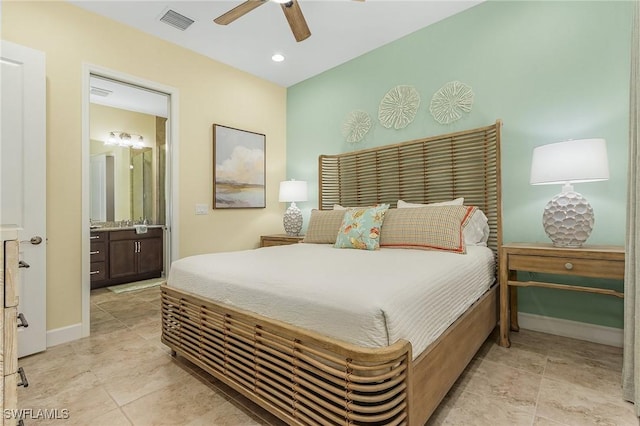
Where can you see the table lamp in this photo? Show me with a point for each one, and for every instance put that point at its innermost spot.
(292, 191)
(568, 217)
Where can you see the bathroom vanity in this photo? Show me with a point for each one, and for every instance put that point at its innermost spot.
(121, 255)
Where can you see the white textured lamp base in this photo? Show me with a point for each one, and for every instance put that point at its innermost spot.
(292, 220)
(568, 219)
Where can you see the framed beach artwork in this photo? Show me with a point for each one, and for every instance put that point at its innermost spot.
(238, 168)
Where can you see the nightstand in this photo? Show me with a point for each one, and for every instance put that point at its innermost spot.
(587, 261)
(279, 240)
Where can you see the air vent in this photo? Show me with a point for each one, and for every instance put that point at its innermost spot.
(98, 91)
(176, 20)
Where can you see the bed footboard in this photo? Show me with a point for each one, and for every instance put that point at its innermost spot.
(300, 376)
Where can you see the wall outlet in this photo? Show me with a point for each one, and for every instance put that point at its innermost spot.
(202, 209)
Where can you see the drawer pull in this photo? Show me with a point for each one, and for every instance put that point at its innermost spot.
(94, 237)
(23, 264)
(94, 252)
(22, 321)
(23, 378)
(94, 272)
(568, 266)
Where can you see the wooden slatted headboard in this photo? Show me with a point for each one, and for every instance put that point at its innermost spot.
(440, 168)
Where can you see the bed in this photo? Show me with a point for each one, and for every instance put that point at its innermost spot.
(399, 368)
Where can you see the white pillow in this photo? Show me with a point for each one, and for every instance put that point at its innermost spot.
(476, 232)
(456, 202)
(338, 207)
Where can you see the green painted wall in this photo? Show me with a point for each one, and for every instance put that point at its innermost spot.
(550, 70)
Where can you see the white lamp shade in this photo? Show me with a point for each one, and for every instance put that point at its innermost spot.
(574, 161)
(292, 191)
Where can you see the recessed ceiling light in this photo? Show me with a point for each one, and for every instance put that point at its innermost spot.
(277, 57)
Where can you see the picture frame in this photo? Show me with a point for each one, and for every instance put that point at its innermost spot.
(238, 168)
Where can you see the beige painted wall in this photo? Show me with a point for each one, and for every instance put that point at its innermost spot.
(209, 92)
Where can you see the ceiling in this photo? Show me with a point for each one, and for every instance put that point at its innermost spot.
(340, 30)
(125, 96)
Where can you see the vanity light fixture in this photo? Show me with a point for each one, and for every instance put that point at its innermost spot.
(139, 143)
(125, 139)
(111, 140)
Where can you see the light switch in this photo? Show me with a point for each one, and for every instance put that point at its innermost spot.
(202, 209)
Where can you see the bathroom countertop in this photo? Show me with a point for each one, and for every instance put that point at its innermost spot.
(122, 228)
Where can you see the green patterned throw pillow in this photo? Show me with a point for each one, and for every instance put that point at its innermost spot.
(360, 228)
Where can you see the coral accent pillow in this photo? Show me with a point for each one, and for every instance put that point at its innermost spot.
(323, 226)
(360, 228)
(427, 228)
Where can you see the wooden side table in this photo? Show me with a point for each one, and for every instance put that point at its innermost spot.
(279, 240)
(587, 261)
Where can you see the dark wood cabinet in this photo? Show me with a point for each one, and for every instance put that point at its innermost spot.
(128, 256)
(98, 255)
(150, 256)
(123, 259)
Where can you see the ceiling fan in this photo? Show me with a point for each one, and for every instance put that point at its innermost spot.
(291, 10)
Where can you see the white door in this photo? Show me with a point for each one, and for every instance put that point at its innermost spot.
(23, 181)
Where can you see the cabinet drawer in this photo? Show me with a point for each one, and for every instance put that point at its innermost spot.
(98, 236)
(596, 268)
(98, 271)
(97, 253)
(270, 243)
(131, 234)
(272, 240)
(10, 340)
(11, 274)
(11, 396)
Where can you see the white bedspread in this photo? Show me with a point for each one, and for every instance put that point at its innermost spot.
(368, 298)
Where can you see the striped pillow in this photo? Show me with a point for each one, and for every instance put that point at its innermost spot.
(427, 228)
(323, 226)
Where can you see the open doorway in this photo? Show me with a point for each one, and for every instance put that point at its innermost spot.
(127, 169)
(128, 190)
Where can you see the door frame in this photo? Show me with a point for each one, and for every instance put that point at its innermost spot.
(172, 234)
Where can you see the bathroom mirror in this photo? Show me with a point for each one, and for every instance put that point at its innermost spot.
(142, 193)
(123, 182)
(127, 182)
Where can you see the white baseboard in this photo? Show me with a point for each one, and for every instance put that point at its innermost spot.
(62, 335)
(576, 330)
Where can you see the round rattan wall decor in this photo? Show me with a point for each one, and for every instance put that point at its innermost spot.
(398, 107)
(448, 103)
(356, 126)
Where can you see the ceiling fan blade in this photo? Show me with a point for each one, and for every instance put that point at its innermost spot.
(296, 20)
(238, 11)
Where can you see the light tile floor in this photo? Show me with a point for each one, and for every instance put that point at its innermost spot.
(123, 375)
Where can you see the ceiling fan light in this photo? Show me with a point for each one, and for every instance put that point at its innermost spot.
(282, 1)
(277, 57)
